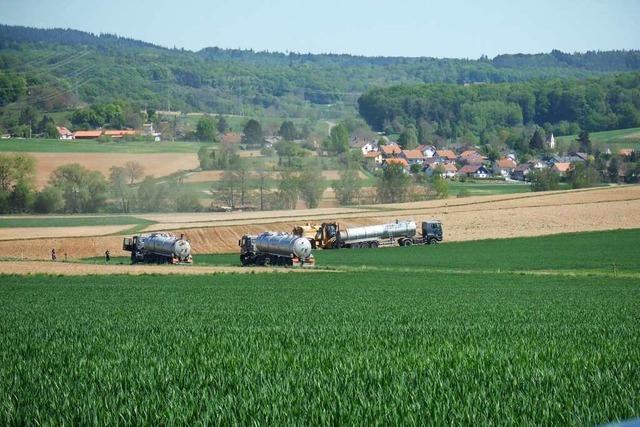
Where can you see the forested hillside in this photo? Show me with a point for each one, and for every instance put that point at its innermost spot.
(562, 106)
(59, 69)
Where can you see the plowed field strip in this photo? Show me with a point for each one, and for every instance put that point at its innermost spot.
(76, 269)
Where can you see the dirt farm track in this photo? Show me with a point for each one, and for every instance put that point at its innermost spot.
(471, 218)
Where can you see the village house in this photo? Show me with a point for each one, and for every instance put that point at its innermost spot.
(373, 159)
(401, 162)
(626, 152)
(475, 171)
(521, 171)
(561, 168)
(446, 170)
(572, 158)
(504, 167)
(428, 151)
(390, 150)
(471, 157)
(363, 144)
(148, 130)
(64, 133)
(445, 156)
(413, 157)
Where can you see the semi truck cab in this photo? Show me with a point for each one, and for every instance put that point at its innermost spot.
(432, 232)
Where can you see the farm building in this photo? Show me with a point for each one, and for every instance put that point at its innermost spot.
(64, 133)
(87, 134)
(119, 133)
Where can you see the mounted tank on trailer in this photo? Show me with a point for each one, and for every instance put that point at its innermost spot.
(158, 248)
(330, 235)
(276, 249)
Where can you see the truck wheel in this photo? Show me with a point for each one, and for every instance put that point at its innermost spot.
(408, 242)
(433, 241)
(374, 244)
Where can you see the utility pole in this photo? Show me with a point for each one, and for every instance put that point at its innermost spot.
(29, 128)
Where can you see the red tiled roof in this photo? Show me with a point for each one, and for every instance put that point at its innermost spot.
(119, 132)
(469, 169)
(450, 167)
(391, 149)
(469, 153)
(506, 163)
(372, 154)
(63, 130)
(446, 154)
(87, 133)
(402, 162)
(626, 152)
(561, 167)
(412, 154)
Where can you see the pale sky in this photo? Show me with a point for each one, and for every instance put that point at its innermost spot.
(454, 28)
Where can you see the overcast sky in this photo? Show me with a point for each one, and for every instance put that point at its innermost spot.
(447, 28)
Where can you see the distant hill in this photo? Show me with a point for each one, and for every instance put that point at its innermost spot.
(61, 68)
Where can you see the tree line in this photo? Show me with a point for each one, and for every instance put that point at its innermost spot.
(561, 106)
(73, 188)
(236, 81)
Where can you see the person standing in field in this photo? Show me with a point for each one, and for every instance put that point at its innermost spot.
(107, 256)
(53, 255)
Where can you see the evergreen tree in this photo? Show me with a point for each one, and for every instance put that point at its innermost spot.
(253, 134)
(408, 139)
(288, 130)
(222, 125)
(585, 142)
(537, 140)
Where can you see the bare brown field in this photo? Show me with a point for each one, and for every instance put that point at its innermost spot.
(46, 232)
(160, 164)
(210, 176)
(73, 269)
(472, 218)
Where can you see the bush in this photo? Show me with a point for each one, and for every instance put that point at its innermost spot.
(48, 200)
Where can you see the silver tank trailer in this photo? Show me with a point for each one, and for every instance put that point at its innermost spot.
(167, 245)
(283, 244)
(382, 231)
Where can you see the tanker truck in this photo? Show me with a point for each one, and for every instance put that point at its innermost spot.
(158, 248)
(330, 235)
(270, 248)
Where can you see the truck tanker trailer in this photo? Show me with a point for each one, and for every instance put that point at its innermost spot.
(158, 248)
(330, 235)
(270, 248)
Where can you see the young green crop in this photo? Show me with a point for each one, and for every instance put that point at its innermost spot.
(597, 252)
(319, 348)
